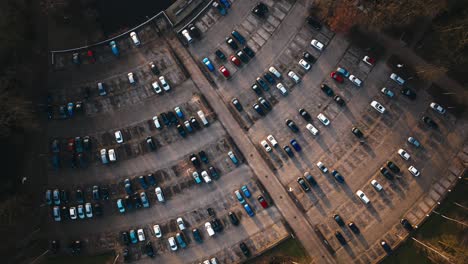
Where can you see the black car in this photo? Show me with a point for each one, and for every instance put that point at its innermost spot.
(256, 89)
(79, 196)
(86, 143)
(406, 224)
(197, 235)
(126, 254)
(165, 119)
(124, 238)
(136, 200)
(233, 218)
(96, 193)
(64, 196)
(151, 144)
(220, 55)
(393, 167)
(429, 122)
(76, 247)
(314, 23)
(232, 43)
(304, 114)
(105, 193)
(327, 90)
(194, 31)
(203, 156)
(217, 225)
(338, 177)
(194, 122)
(262, 84)
(292, 125)
(142, 181)
(154, 68)
(386, 247)
(357, 132)
(311, 180)
(211, 212)
(308, 57)
(149, 249)
(258, 109)
(408, 92)
(236, 104)
(151, 179)
(269, 78)
(195, 161)
(339, 100)
(128, 203)
(288, 151)
(249, 51)
(386, 173)
(65, 212)
(354, 228)
(97, 209)
(213, 172)
(264, 103)
(54, 246)
(245, 249)
(303, 184)
(340, 238)
(172, 117)
(338, 220)
(242, 56)
(181, 130)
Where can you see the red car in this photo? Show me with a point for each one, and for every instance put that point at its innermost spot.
(224, 71)
(91, 56)
(337, 77)
(71, 145)
(262, 201)
(369, 61)
(235, 60)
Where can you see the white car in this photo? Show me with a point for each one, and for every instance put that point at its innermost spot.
(131, 79)
(377, 106)
(156, 122)
(397, 79)
(323, 119)
(362, 196)
(180, 223)
(135, 39)
(404, 154)
(156, 87)
(209, 229)
(164, 84)
(304, 64)
(317, 44)
(294, 77)
(282, 89)
(157, 231)
(118, 136)
(272, 140)
(101, 89)
(376, 185)
(89, 210)
(322, 167)
(159, 194)
(214, 261)
(187, 36)
(73, 213)
(414, 171)
(355, 80)
(313, 130)
(205, 176)
(172, 243)
(368, 60)
(275, 72)
(265, 146)
(439, 109)
(141, 235)
(104, 159)
(112, 156)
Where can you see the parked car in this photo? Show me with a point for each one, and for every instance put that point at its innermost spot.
(343, 72)
(275, 72)
(377, 106)
(233, 157)
(337, 77)
(303, 184)
(260, 10)
(403, 154)
(323, 119)
(304, 64)
(208, 64)
(397, 79)
(282, 89)
(196, 177)
(314, 23)
(220, 55)
(387, 92)
(313, 130)
(414, 142)
(340, 101)
(249, 51)
(362, 197)
(357, 132)
(429, 122)
(288, 151)
(310, 179)
(438, 108)
(249, 210)
(406, 224)
(414, 171)
(308, 57)
(135, 39)
(305, 115)
(294, 77)
(322, 167)
(317, 44)
(235, 60)
(376, 185)
(265, 145)
(292, 125)
(180, 224)
(222, 11)
(408, 93)
(164, 83)
(238, 36)
(327, 90)
(340, 238)
(354, 228)
(386, 173)
(295, 145)
(386, 247)
(225, 72)
(233, 218)
(232, 43)
(209, 229)
(356, 81)
(393, 167)
(368, 60)
(272, 140)
(197, 235)
(154, 69)
(338, 220)
(262, 201)
(171, 240)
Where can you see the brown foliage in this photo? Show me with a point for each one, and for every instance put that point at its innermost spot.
(345, 15)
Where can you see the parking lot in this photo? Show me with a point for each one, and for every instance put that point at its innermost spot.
(130, 108)
(358, 160)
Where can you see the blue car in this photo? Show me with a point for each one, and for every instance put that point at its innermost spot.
(142, 182)
(221, 9)
(208, 64)
(226, 3)
(296, 145)
(238, 37)
(246, 191)
(181, 240)
(233, 157)
(70, 109)
(128, 187)
(114, 48)
(133, 237)
(343, 72)
(249, 210)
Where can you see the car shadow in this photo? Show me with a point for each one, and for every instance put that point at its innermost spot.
(322, 195)
(373, 212)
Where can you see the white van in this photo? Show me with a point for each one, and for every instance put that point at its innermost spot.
(156, 122)
(187, 36)
(131, 79)
(135, 39)
(202, 117)
(112, 156)
(159, 194)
